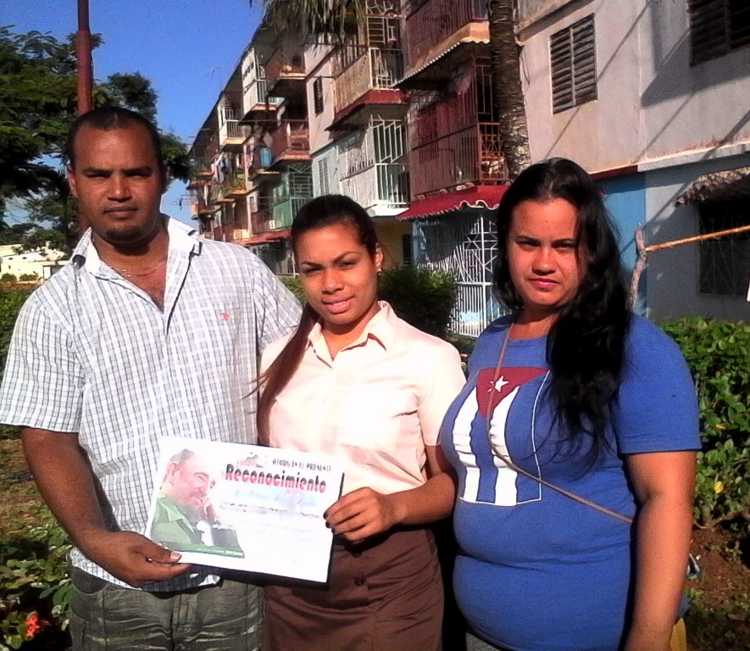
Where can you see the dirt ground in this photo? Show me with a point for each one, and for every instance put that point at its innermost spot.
(719, 618)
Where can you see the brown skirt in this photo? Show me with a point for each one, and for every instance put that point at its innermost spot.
(381, 595)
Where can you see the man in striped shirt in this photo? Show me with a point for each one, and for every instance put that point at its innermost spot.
(148, 333)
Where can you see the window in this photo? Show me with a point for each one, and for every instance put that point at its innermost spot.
(406, 250)
(716, 27)
(573, 65)
(724, 262)
(323, 179)
(318, 95)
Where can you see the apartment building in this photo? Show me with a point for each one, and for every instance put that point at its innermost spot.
(456, 170)
(400, 114)
(652, 97)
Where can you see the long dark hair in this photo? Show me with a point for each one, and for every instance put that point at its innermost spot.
(586, 344)
(323, 211)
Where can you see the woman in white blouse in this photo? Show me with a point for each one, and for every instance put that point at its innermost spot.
(357, 382)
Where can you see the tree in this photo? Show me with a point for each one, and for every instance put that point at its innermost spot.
(37, 106)
(328, 16)
(506, 78)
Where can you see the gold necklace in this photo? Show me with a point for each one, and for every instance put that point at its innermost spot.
(139, 274)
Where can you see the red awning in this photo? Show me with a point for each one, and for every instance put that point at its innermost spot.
(268, 236)
(483, 196)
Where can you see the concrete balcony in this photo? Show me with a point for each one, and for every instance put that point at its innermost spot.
(376, 68)
(382, 189)
(231, 134)
(285, 72)
(436, 26)
(291, 142)
(257, 104)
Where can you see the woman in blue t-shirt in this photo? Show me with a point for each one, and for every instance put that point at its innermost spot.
(573, 440)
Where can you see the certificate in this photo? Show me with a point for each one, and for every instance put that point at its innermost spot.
(245, 507)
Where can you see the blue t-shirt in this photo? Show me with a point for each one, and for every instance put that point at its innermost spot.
(537, 571)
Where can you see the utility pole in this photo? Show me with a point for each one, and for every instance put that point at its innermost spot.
(85, 74)
(83, 55)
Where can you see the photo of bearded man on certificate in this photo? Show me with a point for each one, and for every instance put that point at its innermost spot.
(185, 519)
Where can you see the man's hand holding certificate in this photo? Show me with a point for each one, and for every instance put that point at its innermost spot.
(245, 507)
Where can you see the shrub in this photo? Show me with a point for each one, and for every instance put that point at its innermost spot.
(28, 277)
(718, 353)
(10, 303)
(295, 286)
(36, 589)
(8, 278)
(422, 297)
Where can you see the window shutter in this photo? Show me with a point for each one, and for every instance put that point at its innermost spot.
(717, 27)
(573, 65)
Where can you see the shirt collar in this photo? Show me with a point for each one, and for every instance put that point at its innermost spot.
(381, 328)
(181, 240)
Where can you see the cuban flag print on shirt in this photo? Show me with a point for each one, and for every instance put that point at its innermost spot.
(488, 479)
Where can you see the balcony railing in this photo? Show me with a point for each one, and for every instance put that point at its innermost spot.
(234, 183)
(436, 20)
(291, 140)
(255, 97)
(471, 155)
(240, 235)
(260, 217)
(375, 68)
(383, 186)
(230, 132)
(284, 209)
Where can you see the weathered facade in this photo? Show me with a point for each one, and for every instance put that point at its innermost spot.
(650, 96)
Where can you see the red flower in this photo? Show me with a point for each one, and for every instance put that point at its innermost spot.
(34, 624)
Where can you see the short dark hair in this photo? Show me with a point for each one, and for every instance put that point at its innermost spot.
(106, 118)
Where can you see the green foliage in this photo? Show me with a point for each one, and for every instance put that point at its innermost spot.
(10, 303)
(294, 285)
(28, 277)
(36, 589)
(8, 278)
(718, 353)
(37, 106)
(422, 297)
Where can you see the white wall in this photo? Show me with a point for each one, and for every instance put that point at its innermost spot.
(672, 274)
(318, 63)
(651, 103)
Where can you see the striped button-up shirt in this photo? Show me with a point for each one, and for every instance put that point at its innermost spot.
(93, 354)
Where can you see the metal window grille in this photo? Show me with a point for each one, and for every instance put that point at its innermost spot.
(467, 248)
(323, 179)
(717, 27)
(573, 65)
(724, 267)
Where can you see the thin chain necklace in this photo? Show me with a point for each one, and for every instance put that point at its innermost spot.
(139, 274)
(505, 458)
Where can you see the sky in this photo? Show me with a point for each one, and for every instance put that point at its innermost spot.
(187, 48)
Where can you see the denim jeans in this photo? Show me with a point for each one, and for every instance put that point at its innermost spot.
(224, 617)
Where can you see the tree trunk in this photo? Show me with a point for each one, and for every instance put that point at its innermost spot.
(506, 73)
